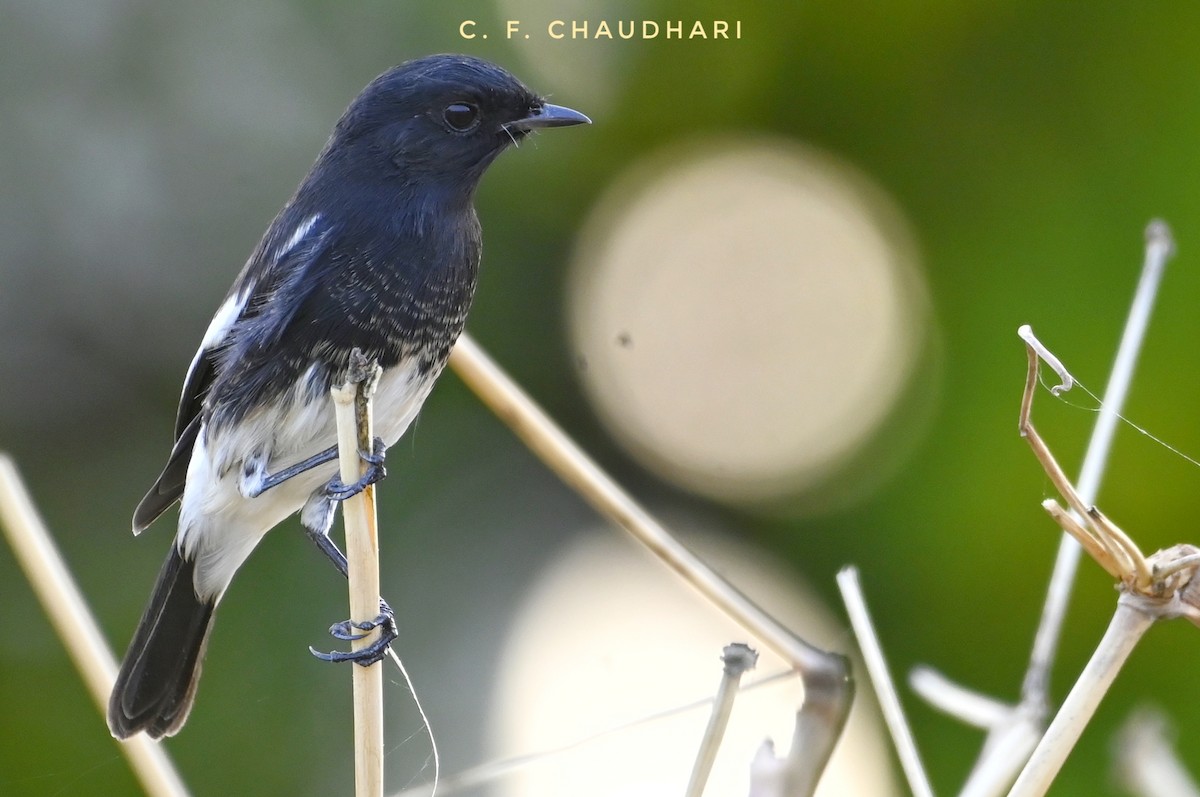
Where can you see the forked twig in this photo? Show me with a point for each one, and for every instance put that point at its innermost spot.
(1013, 734)
(1159, 248)
(1157, 587)
(1101, 538)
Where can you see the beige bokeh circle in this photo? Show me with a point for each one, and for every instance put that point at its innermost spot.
(744, 314)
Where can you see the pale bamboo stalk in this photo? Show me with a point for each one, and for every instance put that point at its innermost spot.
(76, 627)
(352, 406)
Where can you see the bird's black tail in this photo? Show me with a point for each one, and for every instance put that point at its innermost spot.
(157, 682)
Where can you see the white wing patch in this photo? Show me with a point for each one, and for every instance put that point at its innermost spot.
(297, 236)
(231, 309)
(225, 316)
(218, 329)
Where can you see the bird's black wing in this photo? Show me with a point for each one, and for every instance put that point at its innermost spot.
(248, 302)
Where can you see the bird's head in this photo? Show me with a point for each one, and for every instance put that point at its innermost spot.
(439, 119)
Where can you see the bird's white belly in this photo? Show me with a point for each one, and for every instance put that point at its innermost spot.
(219, 526)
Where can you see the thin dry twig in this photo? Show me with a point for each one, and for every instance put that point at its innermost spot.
(1146, 762)
(352, 407)
(738, 658)
(979, 711)
(885, 688)
(69, 614)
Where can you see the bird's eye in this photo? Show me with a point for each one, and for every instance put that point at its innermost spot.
(461, 116)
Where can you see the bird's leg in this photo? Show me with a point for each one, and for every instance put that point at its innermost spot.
(317, 519)
(256, 480)
(340, 491)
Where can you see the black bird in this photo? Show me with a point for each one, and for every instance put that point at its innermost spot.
(377, 250)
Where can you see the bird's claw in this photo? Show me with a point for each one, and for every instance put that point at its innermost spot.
(343, 630)
(377, 453)
(340, 491)
(385, 621)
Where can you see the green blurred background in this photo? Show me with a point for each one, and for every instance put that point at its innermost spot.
(145, 146)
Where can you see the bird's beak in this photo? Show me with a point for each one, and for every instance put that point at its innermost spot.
(548, 115)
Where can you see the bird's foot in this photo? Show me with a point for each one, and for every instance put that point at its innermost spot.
(345, 630)
(340, 491)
